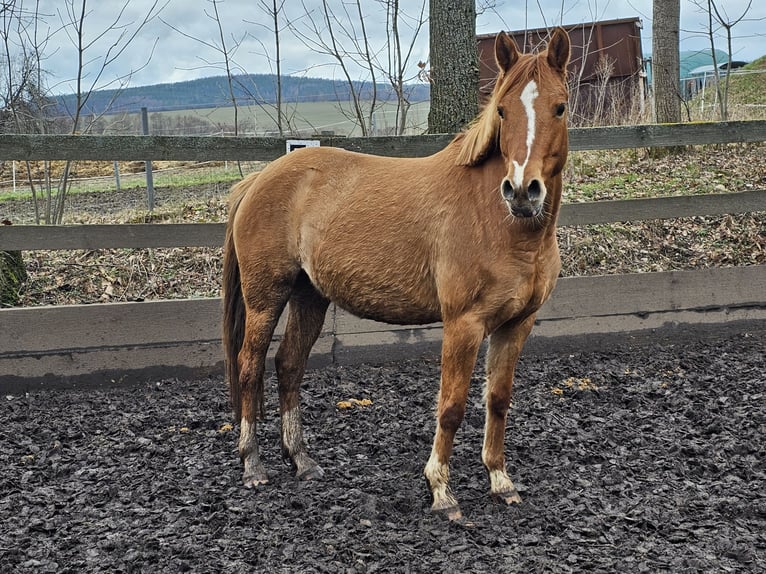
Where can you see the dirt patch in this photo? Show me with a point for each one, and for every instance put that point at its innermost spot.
(635, 460)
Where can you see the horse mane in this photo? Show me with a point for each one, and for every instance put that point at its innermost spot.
(480, 139)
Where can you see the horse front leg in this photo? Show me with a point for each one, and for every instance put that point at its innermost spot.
(460, 348)
(505, 346)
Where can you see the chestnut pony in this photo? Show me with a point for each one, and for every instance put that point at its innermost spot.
(466, 236)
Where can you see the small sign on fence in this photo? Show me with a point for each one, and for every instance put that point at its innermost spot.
(292, 145)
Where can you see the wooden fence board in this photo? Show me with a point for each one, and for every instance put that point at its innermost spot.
(661, 207)
(637, 293)
(67, 327)
(138, 235)
(661, 135)
(247, 148)
(63, 327)
(53, 237)
(140, 341)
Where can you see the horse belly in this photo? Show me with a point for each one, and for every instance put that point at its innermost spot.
(377, 286)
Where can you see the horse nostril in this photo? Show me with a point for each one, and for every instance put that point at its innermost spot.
(534, 189)
(507, 190)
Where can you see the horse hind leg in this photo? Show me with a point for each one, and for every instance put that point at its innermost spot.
(306, 312)
(260, 322)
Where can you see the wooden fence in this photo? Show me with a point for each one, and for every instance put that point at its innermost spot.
(112, 342)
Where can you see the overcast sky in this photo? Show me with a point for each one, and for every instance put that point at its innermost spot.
(185, 53)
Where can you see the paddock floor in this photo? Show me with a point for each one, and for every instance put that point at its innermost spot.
(643, 460)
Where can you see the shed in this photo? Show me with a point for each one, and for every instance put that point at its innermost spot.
(606, 69)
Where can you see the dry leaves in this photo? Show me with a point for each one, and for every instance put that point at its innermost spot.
(350, 403)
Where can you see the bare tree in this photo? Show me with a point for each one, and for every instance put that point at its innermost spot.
(18, 72)
(719, 18)
(273, 9)
(227, 53)
(24, 101)
(343, 37)
(219, 46)
(454, 65)
(399, 55)
(18, 96)
(92, 63)
(271, 104)
(665, 60)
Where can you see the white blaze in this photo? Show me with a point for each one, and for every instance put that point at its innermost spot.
(528, 96)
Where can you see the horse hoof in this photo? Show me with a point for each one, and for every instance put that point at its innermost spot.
(508, 497)
(311, 473)
(255, 479)
(454, 515)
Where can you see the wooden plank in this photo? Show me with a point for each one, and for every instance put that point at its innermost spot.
(112, 364)
(393, 146)
(43, 329)
(66, 327)
(661, 207)
(662, 135)
(201, 148)
(637, 293)
(139, 148)
(147, 323)
(140, 235)
(56, 328)
(674, 327)
(152, 235)
(634, 293)
(163, 338)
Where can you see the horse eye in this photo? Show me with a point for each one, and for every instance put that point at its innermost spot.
(500, 112)
(561, 109)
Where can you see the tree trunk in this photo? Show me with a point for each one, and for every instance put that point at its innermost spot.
(454, 65)
(665, 61)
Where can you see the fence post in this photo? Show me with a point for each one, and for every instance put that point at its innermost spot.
(117, 174)
(149, 176)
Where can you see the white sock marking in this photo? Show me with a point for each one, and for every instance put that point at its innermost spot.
(292, 434)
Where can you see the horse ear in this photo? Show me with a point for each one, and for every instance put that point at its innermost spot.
(506, 52)
(558, 50)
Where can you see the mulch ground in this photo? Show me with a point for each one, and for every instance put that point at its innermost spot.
(643, 460)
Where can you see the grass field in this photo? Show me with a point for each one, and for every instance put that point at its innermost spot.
(302, 119)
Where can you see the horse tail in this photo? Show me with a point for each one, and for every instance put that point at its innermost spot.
(233, 303)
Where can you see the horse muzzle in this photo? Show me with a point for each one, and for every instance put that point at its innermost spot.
(526, 201)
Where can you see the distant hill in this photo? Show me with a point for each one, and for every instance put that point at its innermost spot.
(214, 92)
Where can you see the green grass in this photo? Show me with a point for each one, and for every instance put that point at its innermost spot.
(746, 97)
(173, 178)
(304, 118)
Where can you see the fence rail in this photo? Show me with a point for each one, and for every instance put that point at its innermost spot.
(205, 148)
(115, 341)
(148, 235)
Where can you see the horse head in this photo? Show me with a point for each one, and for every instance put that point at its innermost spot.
(525, 120)
(532, 105)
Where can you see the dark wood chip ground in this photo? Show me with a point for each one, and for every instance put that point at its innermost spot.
(645, 460)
